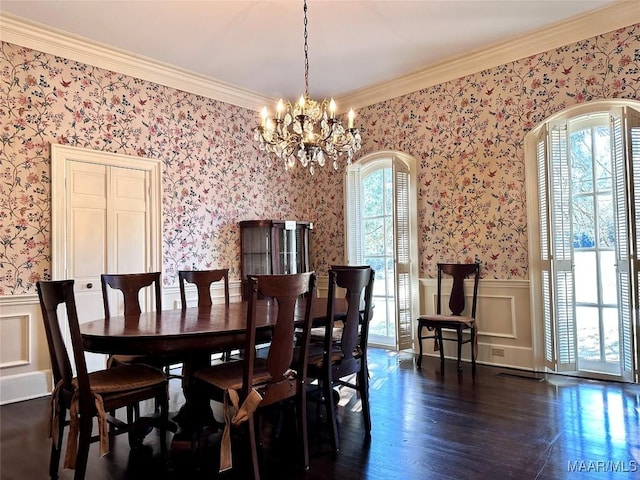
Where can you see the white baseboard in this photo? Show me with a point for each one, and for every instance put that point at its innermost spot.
(17, 388)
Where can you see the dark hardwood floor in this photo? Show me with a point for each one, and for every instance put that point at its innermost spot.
(502, 424)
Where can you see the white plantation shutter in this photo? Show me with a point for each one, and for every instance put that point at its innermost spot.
(633, 136)
(626, 144)
(354, 215)
(402, 255)
(545, 249)
(561, 249)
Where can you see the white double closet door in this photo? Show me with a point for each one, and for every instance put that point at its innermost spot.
(105, 220)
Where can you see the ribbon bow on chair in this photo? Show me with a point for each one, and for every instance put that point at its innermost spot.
(241, 413)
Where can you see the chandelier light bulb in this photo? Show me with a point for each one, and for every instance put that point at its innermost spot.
(264, 115)
(279, 109)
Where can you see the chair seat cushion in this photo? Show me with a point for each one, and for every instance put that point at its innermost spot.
(317, 334)
(226, 376)
(156, 361)
(446, 319)
(123, 378)
(316, 356)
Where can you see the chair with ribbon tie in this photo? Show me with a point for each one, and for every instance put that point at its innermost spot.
(90, 395)
(454, 320)
(253, 383)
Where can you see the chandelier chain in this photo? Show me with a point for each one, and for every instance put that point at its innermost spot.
(306, 54)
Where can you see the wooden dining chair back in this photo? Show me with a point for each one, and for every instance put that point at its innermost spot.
(89, 395)
(259, 382)
(453, 318)
(340, 357)
(203, 279)
(130, 284)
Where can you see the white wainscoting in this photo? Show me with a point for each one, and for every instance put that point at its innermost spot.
(504, 322)
(171, 295)
(25, 368)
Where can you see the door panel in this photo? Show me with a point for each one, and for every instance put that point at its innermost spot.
(130, 252)
(86, 239)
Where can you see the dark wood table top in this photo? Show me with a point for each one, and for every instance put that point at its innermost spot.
(185, 331)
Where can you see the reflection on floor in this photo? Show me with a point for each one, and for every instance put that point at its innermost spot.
(426, 424)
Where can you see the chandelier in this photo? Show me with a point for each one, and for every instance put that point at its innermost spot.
(307, 129)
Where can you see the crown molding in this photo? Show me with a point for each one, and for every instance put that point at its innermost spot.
(621, 14)
(26, 33)
(37, 36)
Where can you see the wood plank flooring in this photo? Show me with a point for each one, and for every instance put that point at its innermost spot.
(426, 425)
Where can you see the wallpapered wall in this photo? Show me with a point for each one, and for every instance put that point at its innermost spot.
(467, 134)
(212, 174)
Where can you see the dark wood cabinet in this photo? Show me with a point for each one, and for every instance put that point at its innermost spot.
(271, 247)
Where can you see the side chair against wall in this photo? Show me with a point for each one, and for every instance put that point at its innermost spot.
(344, 352)
(453, 320)
(90, 395)
(254, 383)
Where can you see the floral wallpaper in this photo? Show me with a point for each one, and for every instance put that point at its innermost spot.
(468, 135)
(213, 175)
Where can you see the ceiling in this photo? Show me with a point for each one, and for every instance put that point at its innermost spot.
(258, 45)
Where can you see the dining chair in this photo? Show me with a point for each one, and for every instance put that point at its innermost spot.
(318, 333)
(254, 383)
(343, 355)
(203, 279)
(454, 320)
(131, 284)
(90, 395)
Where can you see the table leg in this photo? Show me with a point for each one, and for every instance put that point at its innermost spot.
(196, 411)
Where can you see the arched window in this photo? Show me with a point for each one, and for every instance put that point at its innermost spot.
(381, 226)
(583, 179)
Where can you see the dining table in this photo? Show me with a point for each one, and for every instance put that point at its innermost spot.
(191, 330)
(190, 336)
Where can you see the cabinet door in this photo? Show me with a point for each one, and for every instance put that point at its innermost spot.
(256, 251)
(285, 242)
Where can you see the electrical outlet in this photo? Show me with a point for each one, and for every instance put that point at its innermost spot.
(497, 352)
